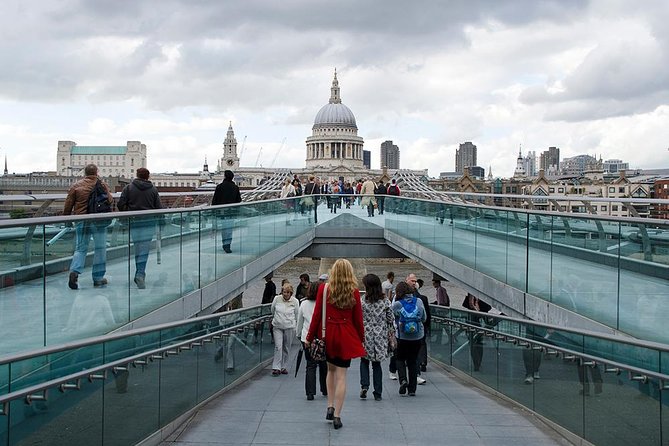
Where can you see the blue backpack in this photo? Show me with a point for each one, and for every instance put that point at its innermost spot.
(409, 318)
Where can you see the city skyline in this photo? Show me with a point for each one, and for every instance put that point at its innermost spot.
(587, 77)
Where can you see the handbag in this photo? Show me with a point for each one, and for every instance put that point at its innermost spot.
(317, 346)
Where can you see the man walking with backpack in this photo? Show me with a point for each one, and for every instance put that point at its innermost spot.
(393, 191)
(86, 196)
(409, 317)
(141, 195)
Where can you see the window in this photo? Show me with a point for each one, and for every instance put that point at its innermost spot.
(621, 190)
(612, 190)
(604, 208)
(561, 189)
(614, 207)
(551, 190)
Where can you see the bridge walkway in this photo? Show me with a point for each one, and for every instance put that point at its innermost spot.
(267, 410)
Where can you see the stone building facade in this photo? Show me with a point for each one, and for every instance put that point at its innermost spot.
(112, 161)
(334, 141)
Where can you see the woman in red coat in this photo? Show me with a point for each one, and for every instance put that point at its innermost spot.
(344, 332)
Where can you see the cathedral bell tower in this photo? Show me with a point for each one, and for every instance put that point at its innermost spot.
(230, 160)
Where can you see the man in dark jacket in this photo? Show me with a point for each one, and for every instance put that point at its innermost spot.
(141, 195)
(379, 192)
(226, 193)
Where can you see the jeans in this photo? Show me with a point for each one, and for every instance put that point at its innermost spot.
(226, 230)
(141, 234)
(407, 355)
(422, 353)
(310, 377)
(84, 232)
(392, 364)
(283, 338)
(377, 375)
(380, 201)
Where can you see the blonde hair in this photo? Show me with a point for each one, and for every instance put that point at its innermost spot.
(287, 287)
(342, 284)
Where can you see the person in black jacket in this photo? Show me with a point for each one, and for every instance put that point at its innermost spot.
(379, 192)
(473, 303)
(422, 353)
(141, 195)
(226, 193)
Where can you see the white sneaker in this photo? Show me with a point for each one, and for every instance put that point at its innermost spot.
(393, 376)
(536, 375)
(420, 381)
(529, 380)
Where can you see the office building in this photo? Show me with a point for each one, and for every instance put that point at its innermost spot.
(390, 155)
(465, 156)
(549, 161)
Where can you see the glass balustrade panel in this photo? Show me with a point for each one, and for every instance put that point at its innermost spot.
(644, 280)
(131, 404)
(71, 418)
(178, 386)
(22, 286)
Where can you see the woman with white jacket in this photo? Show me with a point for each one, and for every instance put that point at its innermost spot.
(288, 190)
(284, 309)
(303, 322)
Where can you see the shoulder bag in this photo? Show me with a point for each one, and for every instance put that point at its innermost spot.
(317, 346)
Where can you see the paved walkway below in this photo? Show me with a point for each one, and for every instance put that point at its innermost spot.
(270, 410)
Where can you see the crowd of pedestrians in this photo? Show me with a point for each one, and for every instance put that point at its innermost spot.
(389, 322)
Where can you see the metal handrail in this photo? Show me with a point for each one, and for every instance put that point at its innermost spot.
(583, 332)
(119, 335)
(39, 392)
(634, 373)
(73, 218)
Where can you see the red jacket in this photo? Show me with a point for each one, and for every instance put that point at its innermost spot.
(344, 331)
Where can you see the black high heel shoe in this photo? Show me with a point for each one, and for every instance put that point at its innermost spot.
(329, 415)
(336, 423)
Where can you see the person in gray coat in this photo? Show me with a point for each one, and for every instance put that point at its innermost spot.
(141, 195)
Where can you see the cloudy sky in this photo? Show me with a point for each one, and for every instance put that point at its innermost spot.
(586, 76)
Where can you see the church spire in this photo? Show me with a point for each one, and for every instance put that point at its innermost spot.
(6, 171)
(335, 98)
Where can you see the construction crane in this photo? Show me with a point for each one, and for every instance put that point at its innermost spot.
(241, 151)
(258, 159)
(277, 152)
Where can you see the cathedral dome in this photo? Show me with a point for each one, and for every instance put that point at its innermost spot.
(335, 114)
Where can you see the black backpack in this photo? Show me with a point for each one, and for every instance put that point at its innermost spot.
(98, 200)
(393, 190)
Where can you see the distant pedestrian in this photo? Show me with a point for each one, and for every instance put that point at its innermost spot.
(393, 191)
(284, 322)
(380, 193)
(422, 353)
(77, 203)
(472, 303)
(441, 294)
(303, 322)
(378, 320)
(388, 288)
(409, 317)
(303, 287)
(227, 192)
(141, 195)
(368, 198)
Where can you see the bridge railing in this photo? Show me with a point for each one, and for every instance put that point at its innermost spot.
(121, 389)
(612, 270)
(607, 390)
(185, 253)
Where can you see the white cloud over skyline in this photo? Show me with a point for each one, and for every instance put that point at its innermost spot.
(586, 76)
